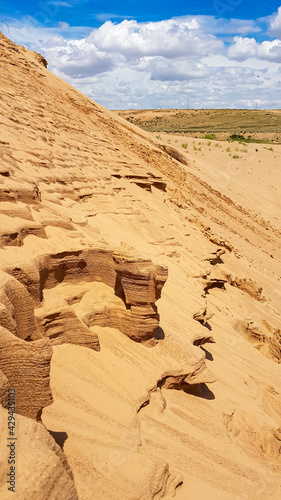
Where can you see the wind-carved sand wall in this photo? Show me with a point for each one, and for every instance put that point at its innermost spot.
(26, 338)
(132, 287)
(59, 300)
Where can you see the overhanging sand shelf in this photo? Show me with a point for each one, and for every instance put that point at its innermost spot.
(94, 213)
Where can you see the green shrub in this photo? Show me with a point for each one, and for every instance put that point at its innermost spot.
(236, 137)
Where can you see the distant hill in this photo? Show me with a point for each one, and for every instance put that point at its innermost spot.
(221, 122)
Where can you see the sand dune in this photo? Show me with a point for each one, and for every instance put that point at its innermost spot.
(139, 298)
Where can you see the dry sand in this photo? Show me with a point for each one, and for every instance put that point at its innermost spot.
(125, 432)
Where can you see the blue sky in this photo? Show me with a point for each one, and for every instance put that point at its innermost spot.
(92, 13)
(150, 54)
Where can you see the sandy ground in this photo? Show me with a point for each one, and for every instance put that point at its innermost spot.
(246, 173)
(124, 433)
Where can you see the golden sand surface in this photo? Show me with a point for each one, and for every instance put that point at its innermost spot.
(190, 411)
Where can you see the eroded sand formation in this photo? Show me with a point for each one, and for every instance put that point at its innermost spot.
(128, 285)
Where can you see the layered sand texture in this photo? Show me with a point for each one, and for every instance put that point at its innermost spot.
(139, 303)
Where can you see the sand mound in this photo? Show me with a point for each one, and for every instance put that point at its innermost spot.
(131, 279)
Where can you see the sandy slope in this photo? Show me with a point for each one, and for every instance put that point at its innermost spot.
(126, 432)
(245, 172)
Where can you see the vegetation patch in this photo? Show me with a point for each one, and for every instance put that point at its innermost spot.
(242, 139)
(210, 136)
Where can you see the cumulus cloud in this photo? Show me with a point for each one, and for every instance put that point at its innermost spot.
(169, 39)
(161, 64)
(55, 42)
(270, 50)
(176, 70)
(77, 58)
(275, 25)
(245, 48)
(215, 26)
(163, 49)
(242, 49)
(244, 77)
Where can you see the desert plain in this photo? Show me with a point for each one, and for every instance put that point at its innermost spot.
(139, 301)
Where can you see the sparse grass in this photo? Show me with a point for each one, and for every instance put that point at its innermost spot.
(209, 144)
(242, 140)
(235, 157)
(228, 150)
(259, 141)
(243, 126)
(184, 145)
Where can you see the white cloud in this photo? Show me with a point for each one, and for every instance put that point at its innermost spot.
(215, 26)
(161, 64)
(243, 48)
(270, 50)
(63, 26)
(77, 58)
(175, 70)
(244, 77)
(61, 3)
(275, 25)
(55, 42)
(168, 39)
(106, 16)
(30, 33)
